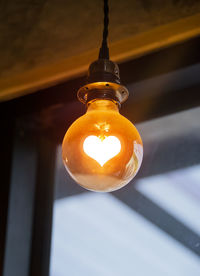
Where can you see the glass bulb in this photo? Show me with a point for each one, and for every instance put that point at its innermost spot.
(102, 150)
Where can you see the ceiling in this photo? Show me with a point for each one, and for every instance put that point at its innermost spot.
(40, 34)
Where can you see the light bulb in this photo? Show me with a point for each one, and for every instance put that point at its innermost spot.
(102, 150)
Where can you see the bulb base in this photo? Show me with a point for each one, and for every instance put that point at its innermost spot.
(103, 83)
(103, 90)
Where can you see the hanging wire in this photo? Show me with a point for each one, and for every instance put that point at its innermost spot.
(104, 50)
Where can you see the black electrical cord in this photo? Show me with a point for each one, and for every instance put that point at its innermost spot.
(104, 50)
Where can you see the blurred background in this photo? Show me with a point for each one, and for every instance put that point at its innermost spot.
(50, 225)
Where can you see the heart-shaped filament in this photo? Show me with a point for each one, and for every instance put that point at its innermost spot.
(100, 149)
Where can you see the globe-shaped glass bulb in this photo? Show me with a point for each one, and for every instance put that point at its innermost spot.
(102, 150)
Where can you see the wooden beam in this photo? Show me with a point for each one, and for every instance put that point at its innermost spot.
(44, 197)
(27, 192)
(130, 48)
(20, 199)
(6, 140)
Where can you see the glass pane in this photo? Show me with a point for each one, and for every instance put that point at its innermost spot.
(151, 226)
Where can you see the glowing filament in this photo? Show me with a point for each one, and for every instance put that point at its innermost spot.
(101, 150)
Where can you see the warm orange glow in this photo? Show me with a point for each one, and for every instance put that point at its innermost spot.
(102, 150)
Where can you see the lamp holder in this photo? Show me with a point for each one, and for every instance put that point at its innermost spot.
(103, 83)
